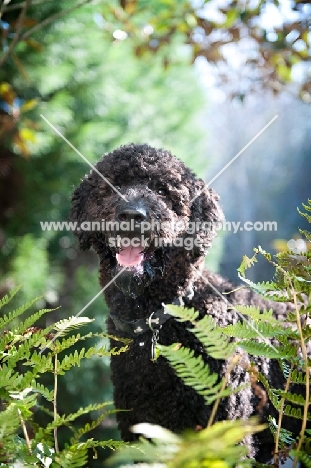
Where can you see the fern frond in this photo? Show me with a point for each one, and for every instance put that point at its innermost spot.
(9, 379)
(41, 363)
(9, 421)
(6, 319)
(8, 297)
(284, 351)
(22, 346)
(306, 445)
(217, 345)
(191, 369)
(305, 233)
(74, 456)
(69, 418)
(298, 377)
(285, 438)
(195, 373)
(294, 412)
(65, 326)
(268, 289)
(292, 397)
(90, 426)
(250, 330)
(302, 456)
(257, 314)
(182, 314)
(21, 327)
(214, 341)
(246, 264)
(59, 346)
(272, 396)
(42, 390)
(103, 351)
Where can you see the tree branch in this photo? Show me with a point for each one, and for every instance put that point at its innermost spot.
(53, 18)
(19, 27)
(17, 6)
(18, 37)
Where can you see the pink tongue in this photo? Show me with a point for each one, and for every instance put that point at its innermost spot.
(130, 256)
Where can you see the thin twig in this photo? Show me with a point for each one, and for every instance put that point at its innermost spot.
(55, 405)
(305, 357)
(17, 35)
(277, 438)
(17, 6)
(53, 18)
(25, 431)
(234, 361)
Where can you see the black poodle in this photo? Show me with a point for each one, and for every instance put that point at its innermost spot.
(144, 199)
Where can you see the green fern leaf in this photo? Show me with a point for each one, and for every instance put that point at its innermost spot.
(6, 319)
(257, 314)
(271, 394)
(72, 457)
(69, 418)
(8, 297)
(214, 341)
(287, 351)
(23, 326)
(59, 346)
(268, 289)
(303, 457)
(286, 437)
(294, 412)
(195, 372)
(9, 379)
(250, 330)
(90, 426)
(246, 264)
(182, 314)
(305, 233)
(65, 326)
(298, 377)
(42, 390)
(292, 397)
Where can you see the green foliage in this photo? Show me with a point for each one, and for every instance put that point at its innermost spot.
(292, 283)
(260, 334)
(27, 354)
(214, 447)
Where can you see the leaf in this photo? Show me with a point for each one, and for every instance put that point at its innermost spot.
(65, 326)
(215, 342)
(7, 319)
(8, 297)
(246, 264)
(192, 370)
(29, 105)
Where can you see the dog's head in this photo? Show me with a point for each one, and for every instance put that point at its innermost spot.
(137, 207)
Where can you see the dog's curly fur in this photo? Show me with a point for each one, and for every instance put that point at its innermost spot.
(160, 187)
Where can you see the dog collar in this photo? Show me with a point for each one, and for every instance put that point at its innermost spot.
(154, 322)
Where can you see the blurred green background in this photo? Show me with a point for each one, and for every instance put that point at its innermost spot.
(199, 78)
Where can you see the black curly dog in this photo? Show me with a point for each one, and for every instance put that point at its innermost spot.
(155, 190)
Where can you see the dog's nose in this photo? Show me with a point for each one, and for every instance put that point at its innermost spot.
(129, 214)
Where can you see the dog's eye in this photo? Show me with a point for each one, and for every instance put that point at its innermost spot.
(161, 191)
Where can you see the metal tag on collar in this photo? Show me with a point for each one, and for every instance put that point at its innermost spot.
(154, 339)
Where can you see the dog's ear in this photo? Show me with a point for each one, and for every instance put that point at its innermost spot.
(78, 213)
(207, 216)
